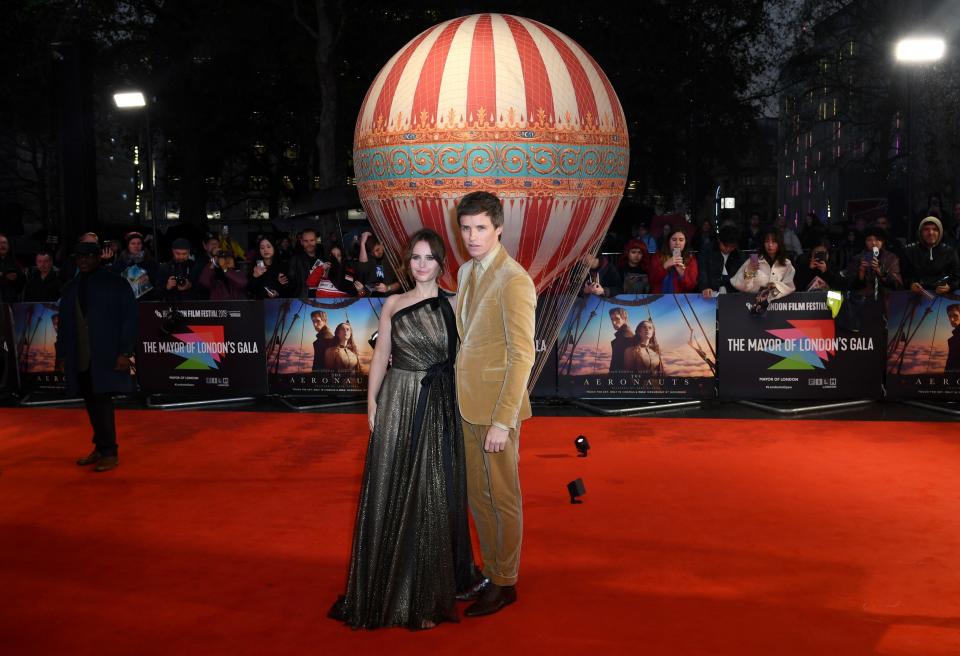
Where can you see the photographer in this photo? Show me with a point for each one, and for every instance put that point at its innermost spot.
(175, 274)
(222, 279)
(815, 264)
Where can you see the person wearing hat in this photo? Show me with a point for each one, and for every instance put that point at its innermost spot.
(95, 347)
(929, 264)
(175, 275)
(875, 271)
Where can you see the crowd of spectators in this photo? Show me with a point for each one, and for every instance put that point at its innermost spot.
(768, 258)
(217, 269)
(773, 259)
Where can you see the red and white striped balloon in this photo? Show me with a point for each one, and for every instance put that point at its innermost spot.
(497, 103)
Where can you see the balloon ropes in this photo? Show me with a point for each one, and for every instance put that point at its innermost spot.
(507, 105)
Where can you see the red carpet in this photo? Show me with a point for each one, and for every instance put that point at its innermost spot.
(228, 533)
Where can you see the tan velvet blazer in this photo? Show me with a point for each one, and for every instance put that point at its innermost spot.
(496, 343)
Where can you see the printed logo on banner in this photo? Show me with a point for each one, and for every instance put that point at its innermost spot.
(806, 345)
(202, 347)
(796, 350)
(178, 344)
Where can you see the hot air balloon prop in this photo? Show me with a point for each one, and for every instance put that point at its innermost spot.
(503, 104)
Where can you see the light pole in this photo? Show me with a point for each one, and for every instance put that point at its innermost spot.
(134, 101)
(913, 51)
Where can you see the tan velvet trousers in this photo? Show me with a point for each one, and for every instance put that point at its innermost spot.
(493, 490)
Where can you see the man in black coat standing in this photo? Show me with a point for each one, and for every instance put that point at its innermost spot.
(95, 345)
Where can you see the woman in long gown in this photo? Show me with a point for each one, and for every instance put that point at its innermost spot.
(411, 544)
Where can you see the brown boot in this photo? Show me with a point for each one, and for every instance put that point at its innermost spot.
(107, 463)
(91, 459)
(492, 599)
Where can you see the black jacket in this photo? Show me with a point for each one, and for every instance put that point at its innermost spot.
(42, 290)
(112, 330)
(711, 270)
(804, 274)
(184, 270)
(299, 269)
(930, 266)
(257, 286)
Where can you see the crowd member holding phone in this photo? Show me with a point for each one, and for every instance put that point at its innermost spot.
(223, 280)
(875, 271)
(602, 277)
(268, 277)
(816, 269)
(672, 270)
(768, 274)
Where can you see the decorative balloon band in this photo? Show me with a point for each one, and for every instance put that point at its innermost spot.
(504, 187)
(491, 160)
(482, 120)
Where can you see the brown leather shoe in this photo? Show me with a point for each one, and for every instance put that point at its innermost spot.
(107, 463)
(473, 592)
(91, 459)
(493, 598)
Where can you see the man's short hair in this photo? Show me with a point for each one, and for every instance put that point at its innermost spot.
(318, 313)
(618, 312)
(953, 307)
(481, 202)
(310, 230)
(728, 234)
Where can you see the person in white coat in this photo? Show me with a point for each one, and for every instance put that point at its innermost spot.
(768, 274)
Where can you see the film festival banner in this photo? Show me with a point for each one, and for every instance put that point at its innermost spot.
(320, 346)
(8, 352)
(205, 348)
(639, 347)
(923, 347)
(796, 350)
(35, 328)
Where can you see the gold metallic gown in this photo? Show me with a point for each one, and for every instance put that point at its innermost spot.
(411, 543)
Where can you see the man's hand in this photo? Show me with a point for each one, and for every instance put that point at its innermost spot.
(171, 282)
(496, 440)
(185, 286)
(819, 266)
(282, 279)
(106, 253)
(916, 288)
(365, 236)
(11, 276)
(123, 363)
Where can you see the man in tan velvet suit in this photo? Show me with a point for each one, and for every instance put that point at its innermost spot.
(496, 304)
